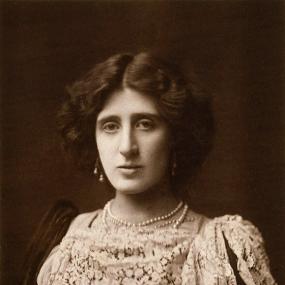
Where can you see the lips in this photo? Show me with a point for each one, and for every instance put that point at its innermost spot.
(129, 166)
(129, 170)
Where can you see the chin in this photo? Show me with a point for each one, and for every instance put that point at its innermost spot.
(130, 191)
(131, 188)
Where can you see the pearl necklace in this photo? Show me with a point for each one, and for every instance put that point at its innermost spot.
(117, 221)
(144, 223)
(176, 222)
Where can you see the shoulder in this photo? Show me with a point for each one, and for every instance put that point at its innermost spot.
(83, 221)
(232, 223)
(59, 254)
(236, 230)
(231, 235)
(231, 227)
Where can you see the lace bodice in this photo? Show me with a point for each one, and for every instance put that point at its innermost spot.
(195, 253)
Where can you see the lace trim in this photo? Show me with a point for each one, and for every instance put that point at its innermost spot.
(162, 256)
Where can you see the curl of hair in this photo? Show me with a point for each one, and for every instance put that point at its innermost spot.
(186, 109)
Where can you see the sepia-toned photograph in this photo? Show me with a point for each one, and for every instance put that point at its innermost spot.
(142, 142)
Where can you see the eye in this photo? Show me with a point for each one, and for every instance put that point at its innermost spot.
(145, 124)
(110, 127)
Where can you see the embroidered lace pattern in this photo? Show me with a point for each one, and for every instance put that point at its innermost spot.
(96, 255)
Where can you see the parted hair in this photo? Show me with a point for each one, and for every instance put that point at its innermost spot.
(183, 105)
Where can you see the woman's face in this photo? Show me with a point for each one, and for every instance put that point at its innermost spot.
(133, 142)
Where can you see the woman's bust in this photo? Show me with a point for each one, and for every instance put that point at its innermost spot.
(145, 130)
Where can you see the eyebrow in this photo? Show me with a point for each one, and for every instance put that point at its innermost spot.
(134, 116)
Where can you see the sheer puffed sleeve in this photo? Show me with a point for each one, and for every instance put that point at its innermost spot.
(208, 261)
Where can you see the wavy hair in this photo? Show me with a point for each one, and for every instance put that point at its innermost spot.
(185, 108)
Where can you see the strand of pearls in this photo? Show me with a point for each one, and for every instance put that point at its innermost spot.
(174, 222)
(181, 218)
(165, 224)
(119, 221)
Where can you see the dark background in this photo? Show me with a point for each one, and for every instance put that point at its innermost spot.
(237, 50)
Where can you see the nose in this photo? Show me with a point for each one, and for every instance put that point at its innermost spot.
(128, 145)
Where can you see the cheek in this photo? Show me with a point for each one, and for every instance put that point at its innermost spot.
(105, 150)
(158, 149)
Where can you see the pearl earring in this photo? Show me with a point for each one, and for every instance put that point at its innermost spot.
(101, 178)
(97, 171)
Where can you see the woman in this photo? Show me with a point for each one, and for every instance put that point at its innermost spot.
(145, 131)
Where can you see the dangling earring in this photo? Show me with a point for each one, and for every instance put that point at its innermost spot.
(101, 178)
(174, 165)
(97, 171)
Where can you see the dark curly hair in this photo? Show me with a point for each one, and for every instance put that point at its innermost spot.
(186, 109)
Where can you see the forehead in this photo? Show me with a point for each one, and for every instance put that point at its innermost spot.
(128, 101)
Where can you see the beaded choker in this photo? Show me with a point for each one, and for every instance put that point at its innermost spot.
(166, 218)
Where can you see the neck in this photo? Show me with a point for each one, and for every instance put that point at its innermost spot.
(137, 207)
